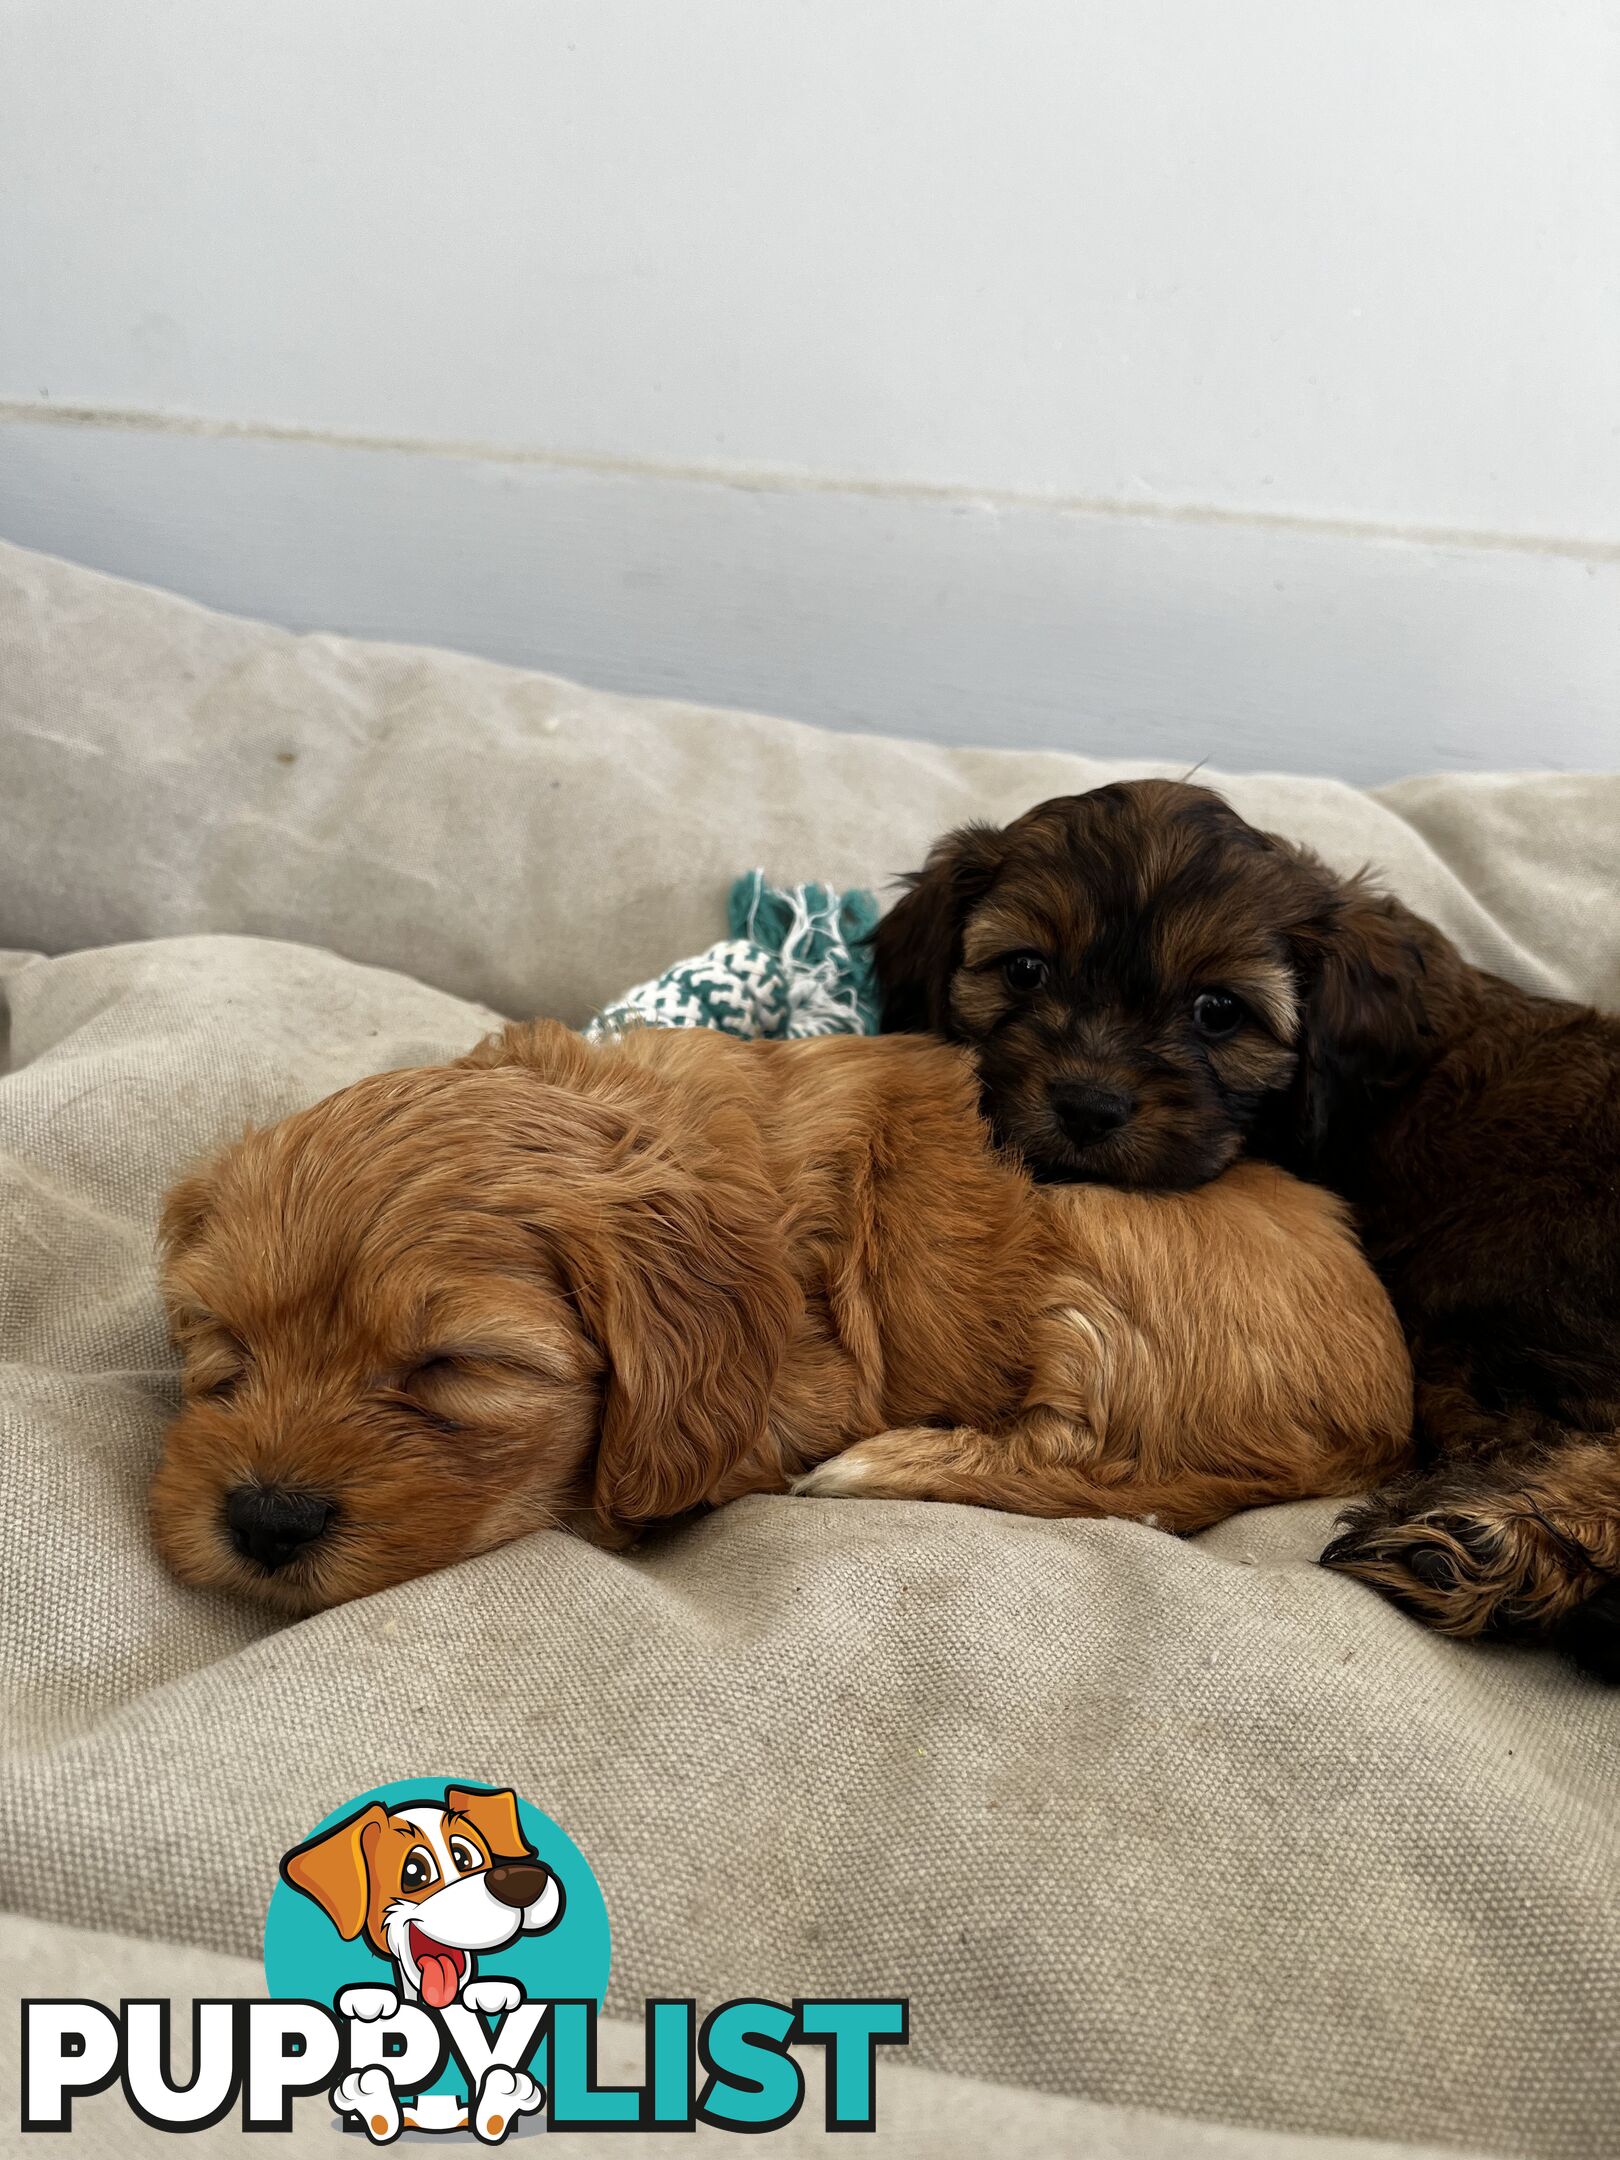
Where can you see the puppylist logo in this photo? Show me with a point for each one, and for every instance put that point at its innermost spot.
(436, 1955)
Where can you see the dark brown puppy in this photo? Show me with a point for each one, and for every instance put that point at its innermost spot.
(1152, 987)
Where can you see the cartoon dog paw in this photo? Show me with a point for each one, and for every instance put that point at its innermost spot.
(368, 2004)
(502, 2098)
(369, 2096)
(492, 1998)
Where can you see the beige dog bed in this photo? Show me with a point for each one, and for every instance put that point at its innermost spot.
(1185, 1827)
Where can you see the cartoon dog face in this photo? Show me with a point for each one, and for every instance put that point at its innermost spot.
(430, 1884)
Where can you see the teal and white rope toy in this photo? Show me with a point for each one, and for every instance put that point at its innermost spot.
(796, 964)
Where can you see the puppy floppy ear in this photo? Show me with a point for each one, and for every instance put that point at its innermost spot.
(494, 1816)
(544, 1047)
(334, 1869)
(917, 947)
(679, 1271)
(1372, 972)
(186, 1208)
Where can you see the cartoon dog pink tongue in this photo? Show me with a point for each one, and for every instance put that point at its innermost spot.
(431, 1885)
(441, 1966)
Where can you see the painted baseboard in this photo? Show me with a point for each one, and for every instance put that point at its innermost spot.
(1301, 647)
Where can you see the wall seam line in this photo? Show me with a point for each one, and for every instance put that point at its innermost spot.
(787, 480)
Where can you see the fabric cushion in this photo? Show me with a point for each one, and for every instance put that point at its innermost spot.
(1194, 1826)
(1191, 1827)
(170, 770)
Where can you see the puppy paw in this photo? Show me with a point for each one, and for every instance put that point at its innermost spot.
(492, 1998)
(502, 2097)
(841, 1477)
(368, 2004)
(369, 2096)
(908, 1462)
(1485, 1567)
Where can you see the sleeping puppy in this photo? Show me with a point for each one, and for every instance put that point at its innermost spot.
(561, 1284)
(1153, 987)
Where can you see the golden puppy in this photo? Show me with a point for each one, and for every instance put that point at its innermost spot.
(558, 1284)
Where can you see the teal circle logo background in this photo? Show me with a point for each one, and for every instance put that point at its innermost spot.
(306, 1958)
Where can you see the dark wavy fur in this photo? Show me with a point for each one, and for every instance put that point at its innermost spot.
(1476, 1129)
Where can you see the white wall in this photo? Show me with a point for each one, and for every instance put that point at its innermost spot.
(1238, 381)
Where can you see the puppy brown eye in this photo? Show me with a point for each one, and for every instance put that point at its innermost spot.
(1024, 971)
(1216, 1013)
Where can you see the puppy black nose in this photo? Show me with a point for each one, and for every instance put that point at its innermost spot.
(516, 1883)
(272, 1526)
(1089, 1112)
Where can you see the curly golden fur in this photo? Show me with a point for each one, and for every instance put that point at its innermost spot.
(558, 1284)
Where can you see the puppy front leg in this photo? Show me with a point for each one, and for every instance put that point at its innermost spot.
(912, 1462)
(1043, 1465)
(1524, 1545)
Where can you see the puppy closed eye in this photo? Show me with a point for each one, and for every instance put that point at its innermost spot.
(438, 1385)
(457, 1387)
(216, 1361)
(442, 1366)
